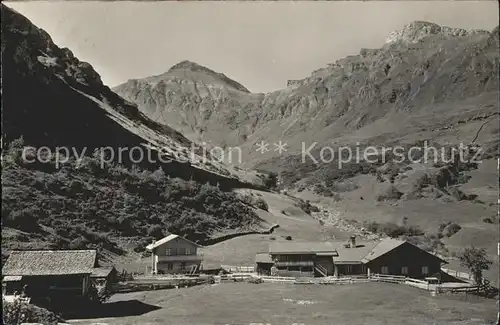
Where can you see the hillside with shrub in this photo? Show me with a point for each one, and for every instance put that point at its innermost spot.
(81, 205)
(116, 206)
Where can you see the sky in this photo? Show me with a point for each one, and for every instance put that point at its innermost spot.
(259, 44)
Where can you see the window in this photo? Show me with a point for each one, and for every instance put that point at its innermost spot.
(348, 268)
(384, 270)
(188, 251)
(404, 270)
(169, 266)
(306, 269)
(168, 252)
(425, 270)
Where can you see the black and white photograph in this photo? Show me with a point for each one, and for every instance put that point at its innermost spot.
(250, 162)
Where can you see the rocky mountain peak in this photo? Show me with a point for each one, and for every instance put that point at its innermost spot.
(192, 70)
(190, 65)
(417, 30)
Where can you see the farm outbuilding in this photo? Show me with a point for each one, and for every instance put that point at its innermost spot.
(263, 263)
(49, 273)
(336, 258)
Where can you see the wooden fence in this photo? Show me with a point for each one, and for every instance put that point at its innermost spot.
(233, 277)
(397, 279)
(388, 278)
(155, 284)
(278, 279)
(458, 274)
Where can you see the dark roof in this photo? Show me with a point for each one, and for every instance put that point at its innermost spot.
(301, 247)
(263, 258)
(388, 244)
(354, 254)
(50, 262)
(101, 272)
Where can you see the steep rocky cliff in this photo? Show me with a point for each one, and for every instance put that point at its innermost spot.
(68, 105)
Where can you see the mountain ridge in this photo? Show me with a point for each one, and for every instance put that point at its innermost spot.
(346, 96)
(429, 85)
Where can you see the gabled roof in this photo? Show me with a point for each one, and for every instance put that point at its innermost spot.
(384, 246)
(166, 240)
(50, 262)
(354, 254)
(388, 244)
(302, 248)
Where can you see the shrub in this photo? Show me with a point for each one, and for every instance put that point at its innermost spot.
(475, 260)
(257, 202)
(372, 226)
(100, 292)
(344, 186)
(379, 177)
(421, 182)
(261, 204)
(322, 190)
(18, 312)
(90, 211)
(393, 230)
(155, 231)
(390, 193)
(457, 194)
(426, 242)
(492, 219)
(24, 220)
(255, 280)
(451, 229)
(79, 243)
(271, 180)
(306, 206)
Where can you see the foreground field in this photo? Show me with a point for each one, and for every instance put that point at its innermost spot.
(244, 303)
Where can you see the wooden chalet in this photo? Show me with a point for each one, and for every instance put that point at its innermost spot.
(308, 259)
(174, 254)
(49, 273)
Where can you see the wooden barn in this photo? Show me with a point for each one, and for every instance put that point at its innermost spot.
(49, 273)
(399, 257)
(308, 259)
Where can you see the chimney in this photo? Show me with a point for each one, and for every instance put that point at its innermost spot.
(352, 242)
